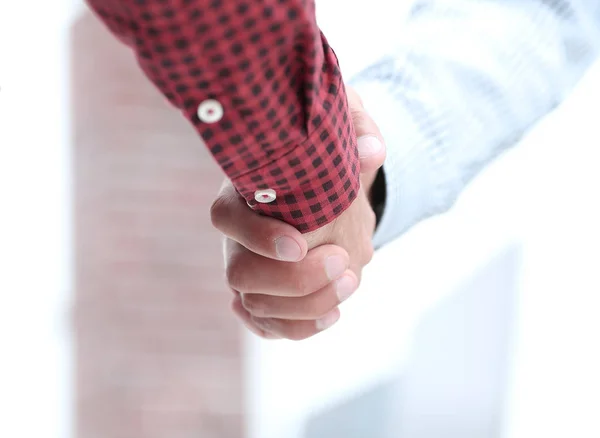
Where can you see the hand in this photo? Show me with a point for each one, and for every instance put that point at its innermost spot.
(276, 298)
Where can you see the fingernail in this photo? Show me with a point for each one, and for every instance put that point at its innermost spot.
(328, 320)
(288, 249)
(335, 266)
(368, 145)
(344, 288)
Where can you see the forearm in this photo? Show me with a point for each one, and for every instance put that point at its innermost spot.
(469, 79)
(261, 86)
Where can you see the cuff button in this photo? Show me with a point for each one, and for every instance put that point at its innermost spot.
(210, 111)
(265, 196)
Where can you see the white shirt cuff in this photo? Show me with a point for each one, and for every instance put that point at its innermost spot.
(411, 163)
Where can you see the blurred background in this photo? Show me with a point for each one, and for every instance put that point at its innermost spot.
(114, 318)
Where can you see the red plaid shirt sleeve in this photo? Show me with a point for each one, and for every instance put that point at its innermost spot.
(263, 89)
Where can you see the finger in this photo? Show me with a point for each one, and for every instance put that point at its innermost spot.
(238, 309)
(262, 235)
(371, 147)
(250, 273)
(296, 330)
(309, 307)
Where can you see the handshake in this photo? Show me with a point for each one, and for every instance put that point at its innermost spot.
(287, 284)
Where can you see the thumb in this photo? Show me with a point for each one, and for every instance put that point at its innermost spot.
(371, 147)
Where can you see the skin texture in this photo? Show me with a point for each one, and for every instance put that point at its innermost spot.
(287, 284)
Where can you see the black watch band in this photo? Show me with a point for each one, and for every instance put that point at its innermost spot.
(378, 195)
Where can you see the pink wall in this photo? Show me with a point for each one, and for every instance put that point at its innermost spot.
(158, 353)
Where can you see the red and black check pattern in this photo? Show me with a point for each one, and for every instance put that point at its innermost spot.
(286, 124)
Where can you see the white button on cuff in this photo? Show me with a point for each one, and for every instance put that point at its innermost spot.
(265, 196)
(210, 111)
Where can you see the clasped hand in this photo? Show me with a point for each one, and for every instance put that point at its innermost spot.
(287, 284)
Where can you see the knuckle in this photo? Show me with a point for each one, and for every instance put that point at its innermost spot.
(372, 219)
(219, 211)
(364, 125)
(359, 121)
(368, 253)
(257, 238)
(320, 306)
(265, 324)
(299, 285)
(234, 272)
(255, 305)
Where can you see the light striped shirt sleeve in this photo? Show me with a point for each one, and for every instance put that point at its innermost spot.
(468, 79)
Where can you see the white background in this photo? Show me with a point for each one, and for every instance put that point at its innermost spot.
(35, 367)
